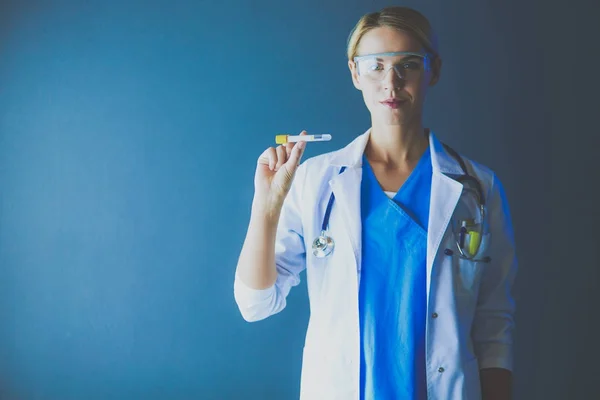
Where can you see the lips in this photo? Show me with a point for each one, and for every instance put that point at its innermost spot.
(393, 103)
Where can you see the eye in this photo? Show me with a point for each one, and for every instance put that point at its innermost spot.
(412, 65)
(375, 67)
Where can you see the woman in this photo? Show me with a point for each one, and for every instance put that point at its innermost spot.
(414, 301)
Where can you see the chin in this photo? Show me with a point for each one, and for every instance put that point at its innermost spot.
(394, 120)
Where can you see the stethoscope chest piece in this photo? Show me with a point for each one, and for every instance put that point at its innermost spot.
(323, 245)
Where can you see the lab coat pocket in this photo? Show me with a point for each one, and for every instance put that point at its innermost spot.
(468, 273)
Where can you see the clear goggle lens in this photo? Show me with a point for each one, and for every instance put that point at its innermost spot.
(408, 66)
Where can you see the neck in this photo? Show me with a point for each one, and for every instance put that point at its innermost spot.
(396, 146)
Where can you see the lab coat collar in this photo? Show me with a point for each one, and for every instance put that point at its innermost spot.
(351, 155)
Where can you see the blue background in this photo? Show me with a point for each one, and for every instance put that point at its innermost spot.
(129, 132)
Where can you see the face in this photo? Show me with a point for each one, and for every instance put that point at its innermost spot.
(383, 83)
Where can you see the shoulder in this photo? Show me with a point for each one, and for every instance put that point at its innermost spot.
(319, 162)
(479, 170)
(486, 176)
(314, 171)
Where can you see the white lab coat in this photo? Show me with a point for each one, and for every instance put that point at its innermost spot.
(469, 304)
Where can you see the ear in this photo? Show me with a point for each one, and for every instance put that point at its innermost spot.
(436, 69)
(354, 74)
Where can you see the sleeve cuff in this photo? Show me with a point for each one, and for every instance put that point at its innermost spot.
(248, 293)
(496, 356)
(251, 302)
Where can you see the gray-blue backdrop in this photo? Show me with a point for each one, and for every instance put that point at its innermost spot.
(129, 132)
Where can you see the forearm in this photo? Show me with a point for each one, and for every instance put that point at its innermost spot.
(496, 384)
(256, 264)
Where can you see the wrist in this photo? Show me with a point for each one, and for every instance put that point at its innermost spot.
(266, 209)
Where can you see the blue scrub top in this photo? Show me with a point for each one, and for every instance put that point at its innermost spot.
(392, 293)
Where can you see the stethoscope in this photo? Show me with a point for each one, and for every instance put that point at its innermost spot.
(474, 232)
(323, 245)
(468, 237)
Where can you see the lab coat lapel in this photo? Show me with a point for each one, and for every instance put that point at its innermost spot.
(346, 189)
(445, 194)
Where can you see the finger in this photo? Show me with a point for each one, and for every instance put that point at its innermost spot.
(273, 158)
(281, 157)
(268, 158)
(296, 155)
(290, 146)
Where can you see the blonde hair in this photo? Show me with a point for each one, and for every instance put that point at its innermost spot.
(403, 19)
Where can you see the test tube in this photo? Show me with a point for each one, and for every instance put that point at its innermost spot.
(283, 139)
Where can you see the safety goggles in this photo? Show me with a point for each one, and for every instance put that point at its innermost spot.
(408, 65)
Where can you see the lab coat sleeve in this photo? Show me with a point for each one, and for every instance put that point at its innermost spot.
(493, 325)
(290, 260)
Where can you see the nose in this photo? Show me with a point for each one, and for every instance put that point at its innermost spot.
(393, 79)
